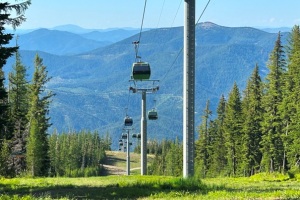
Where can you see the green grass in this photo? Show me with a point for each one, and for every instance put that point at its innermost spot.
(260, 186)
(150, 187)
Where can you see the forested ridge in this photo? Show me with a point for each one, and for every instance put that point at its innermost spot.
(256, 130)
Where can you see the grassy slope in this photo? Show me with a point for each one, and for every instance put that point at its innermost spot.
(262, 186)
(117, 159)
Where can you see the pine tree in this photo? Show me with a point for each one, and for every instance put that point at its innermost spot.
(54, 154)
(272, 145)
(233, 130)
(18, 100)
(252, 115)
(174, 159)
(4, 111)
(37, 155)
(290, 106)
(203, 144)
(5, 52)
(218, 159)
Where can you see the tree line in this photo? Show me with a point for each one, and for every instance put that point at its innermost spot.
(77, 154)
(167, 157)
(257, 130)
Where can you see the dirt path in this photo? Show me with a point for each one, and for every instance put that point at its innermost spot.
(114, 170)
(115, 163)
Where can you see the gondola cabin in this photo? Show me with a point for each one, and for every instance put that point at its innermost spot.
(141, 71)
(152, 115)
(128, 121)
(136, 135)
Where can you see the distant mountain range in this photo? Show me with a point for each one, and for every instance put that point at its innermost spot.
(90, 75)
(276, 30)
(69, 39)
(62, 42)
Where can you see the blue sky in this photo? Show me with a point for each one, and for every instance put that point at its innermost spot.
(102, 14)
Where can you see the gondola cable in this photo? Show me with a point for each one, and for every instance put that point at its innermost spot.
(161, 11)
(176, 12)
(182, 47)
(203, 12)
(137, 43)
(160, 14)
(165, 42)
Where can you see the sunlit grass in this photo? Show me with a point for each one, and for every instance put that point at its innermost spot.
(262, 186)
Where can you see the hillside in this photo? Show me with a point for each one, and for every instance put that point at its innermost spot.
(92, 88)
(68, 39)
(57, 42)
(111, 35)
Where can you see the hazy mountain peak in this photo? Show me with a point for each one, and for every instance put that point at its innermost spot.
(208, 25)
(71, 28)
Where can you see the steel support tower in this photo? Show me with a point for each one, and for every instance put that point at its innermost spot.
(144, 90)
(144, 135)
(189, 88)
(128, 153)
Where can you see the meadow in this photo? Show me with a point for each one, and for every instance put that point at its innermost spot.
(261, 186)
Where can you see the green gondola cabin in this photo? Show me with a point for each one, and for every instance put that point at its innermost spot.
(152, 115)
(128, 121)
(141, 71)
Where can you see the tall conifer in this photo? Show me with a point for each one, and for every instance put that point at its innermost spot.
(233, 130)
(18, 100)
(37, 155)
(252, 115)
(203, 144)
(218, 151)
(290, 106)
(5, 52)
(272, 145)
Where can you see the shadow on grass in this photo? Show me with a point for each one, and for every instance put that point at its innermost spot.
(112, 160)
(113, 191)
